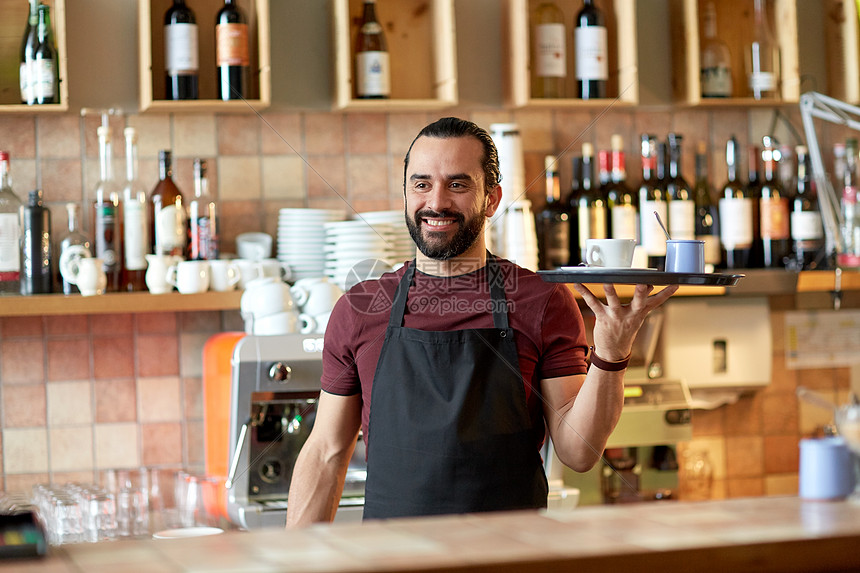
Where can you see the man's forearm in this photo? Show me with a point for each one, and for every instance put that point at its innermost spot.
(315, 488)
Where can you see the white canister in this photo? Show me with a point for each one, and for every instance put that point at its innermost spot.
(826, 469)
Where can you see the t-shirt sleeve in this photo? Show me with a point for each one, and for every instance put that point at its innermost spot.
(340, 371)
(563, 336)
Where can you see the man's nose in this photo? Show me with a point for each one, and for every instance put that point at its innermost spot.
(439, 199)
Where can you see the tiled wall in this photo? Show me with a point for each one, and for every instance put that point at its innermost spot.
(82, 393)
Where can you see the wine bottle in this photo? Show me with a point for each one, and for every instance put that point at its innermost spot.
(849, 254)
(682, 207)
(45, 68)
(28, 54)
(232, 52)
(762, 57)
(573, 210)
(135, 225)
(551, 222)
(167, 212)
(707, 217)
(74, 245)
(372, 69)
(107, 215)
(807, 231)
(592, 53)
(621, 202)
(653, 197)
(36, 251)
(591, 207)
(736, 214)
(549, 52)
(203, 225)
(181, 57)
(10, 231)
(716, 60)
(773, 209)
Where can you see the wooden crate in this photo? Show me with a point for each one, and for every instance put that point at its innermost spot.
(843, 50)
(12, 26)
(623, 82)
(151, 58)
(422, 48)
(734, 27)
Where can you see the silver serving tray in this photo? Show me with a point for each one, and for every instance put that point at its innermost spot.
(636, 276)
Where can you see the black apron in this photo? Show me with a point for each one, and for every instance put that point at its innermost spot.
(449, 429)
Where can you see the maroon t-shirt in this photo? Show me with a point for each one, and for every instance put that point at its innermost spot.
(545, 317)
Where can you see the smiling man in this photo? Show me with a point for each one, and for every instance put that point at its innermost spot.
(455, 365)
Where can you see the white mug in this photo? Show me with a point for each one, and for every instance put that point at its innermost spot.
(316, 296)
(189, 276)
(266, 296)
(254, 246)
(286, 322)
(616, 253)
(224, 275)
(275, 269)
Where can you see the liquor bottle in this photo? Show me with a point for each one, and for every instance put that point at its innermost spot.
(372, 69)
(736, 214)
(549, 52)
(203, 225)
(45, 68)
(107, 215)
(753, 190)
(838, 179)
(682, 206)
(36, 252)
(135, 224)
(807, 232)
(707, 217)
(621, 201)
(10, 231)
(762, 57)
(28, 54)
(573, 209)
(181, 57)
(653, 197)
(716, 61)
(551, 222)
(592, 53)
(848, 255)
(591, 207)
(166, 212)
(232, 52)
(773, 210)
(74, 245)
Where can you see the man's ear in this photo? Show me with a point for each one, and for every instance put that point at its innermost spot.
(494, 197)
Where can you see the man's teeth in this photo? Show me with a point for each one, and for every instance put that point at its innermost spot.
(437, 222)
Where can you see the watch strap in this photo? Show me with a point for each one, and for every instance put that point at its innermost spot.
(607, 365)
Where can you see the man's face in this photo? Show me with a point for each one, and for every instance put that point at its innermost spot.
(446, 203)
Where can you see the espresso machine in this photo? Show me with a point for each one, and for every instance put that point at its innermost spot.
(273, 389)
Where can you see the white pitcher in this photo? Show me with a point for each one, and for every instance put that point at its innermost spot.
(91, 278)
(156, 272)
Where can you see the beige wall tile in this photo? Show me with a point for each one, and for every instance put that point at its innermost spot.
(784, 484)
(744, 487)
(402, 129)
(708, 422)
(71, 448)
(24, 405)
(192, 390)
(153, 134)
(61, 180)
(68, 359)
(281, 134)
(238, 134)
(162, 443)
(66, 325)
(69, 403)
(25, 450)
(484, 118)
(113, 356)
(24, 482)
(156, 323)
(366, 133)
(59, 136)
(24, 176)
(194, 135)
(191, 353)
(117, 446)
(19, 136)
(195, 440)
(284, 177)
(113, 324)
(157, 355)
(744, 417)
(116, 401)
(15, 326)
(20, 360)
(779, 414)
(239, 178)
(326, 177)
(244, 216)
(324, 133)
(781, 454)
(744, 457)
(202, 321)
(535, 130)
(159, 399)
(367, 176)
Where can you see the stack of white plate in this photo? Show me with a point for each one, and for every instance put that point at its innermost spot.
(355, 248)
(301, 235)
(402, 246)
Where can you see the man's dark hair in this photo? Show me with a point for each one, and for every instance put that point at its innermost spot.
(456, 127)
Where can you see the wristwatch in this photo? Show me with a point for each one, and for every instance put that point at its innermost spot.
(606, 365)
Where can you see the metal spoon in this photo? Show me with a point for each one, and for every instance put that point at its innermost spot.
(814, 398)
(662, 226)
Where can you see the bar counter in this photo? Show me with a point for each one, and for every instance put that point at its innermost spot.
(752, 534)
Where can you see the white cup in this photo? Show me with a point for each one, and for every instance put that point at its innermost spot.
(266, 296)
(224, 275)
(189, 276)
(316, 296)
(275, 269)
(254, 246)
(278, 323)
(616, 253)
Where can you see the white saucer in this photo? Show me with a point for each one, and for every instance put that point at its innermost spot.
(605, 269)
(184, 532)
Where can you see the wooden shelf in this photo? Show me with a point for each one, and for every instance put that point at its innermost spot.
(423, 52)
(842, 44)
(623, 80)
(115, 303)
(825, 281)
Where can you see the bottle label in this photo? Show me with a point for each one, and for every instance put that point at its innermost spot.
(107, 234)
(24, 80)
(592, 56)
(169, 229)
(712, 248)
(135, 235)
(180, 49)
(806, 226)
(69, 260)
(204, 242)
(232, 45)
(682, 219)
(762, 82)
(624, 222)
(736, 223)
(373, 74)
(653, 237)
(42, 78)
(551, 59)
(10, 256)
(716, 81)
(774, 218)
(592, 225)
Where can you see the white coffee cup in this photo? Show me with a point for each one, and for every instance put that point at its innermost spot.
(189, 276)
(266, 296)
(224, 275)
(316, 296)
(254, 246)
(275, 269)
(616, 253)
(279, 323)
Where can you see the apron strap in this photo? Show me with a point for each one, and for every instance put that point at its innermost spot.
(398, 307)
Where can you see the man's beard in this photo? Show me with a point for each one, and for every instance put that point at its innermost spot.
(439, 248)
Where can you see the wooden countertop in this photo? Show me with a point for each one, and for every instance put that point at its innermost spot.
(754, 534)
